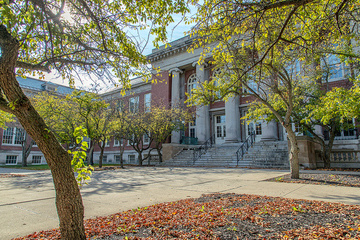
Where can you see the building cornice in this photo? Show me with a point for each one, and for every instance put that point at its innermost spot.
(180, 45)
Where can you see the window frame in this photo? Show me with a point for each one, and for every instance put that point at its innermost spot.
(192, 82)
(147, 102)
(35, 163)
(8, 156)
(134, 106)
(14, 136)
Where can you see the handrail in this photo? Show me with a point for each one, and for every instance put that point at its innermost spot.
(202, 149)
(245, 147)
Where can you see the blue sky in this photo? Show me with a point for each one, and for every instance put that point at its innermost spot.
(175, 31)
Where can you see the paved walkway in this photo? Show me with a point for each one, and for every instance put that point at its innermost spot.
(27, 204)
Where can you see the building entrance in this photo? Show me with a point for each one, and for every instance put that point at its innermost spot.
(220, 129)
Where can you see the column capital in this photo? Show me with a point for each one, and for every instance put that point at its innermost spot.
(196, 63)
(175, 70)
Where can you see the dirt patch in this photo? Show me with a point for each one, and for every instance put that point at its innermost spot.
(10, 175)
(348, 180)
(227, 216)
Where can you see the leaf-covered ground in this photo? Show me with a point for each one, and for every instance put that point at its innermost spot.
(227, 216)
(10, 175)
(348, 180)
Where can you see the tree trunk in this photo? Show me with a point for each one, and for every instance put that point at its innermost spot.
(102, 147)
(68, 198)
(90, 158)
(293, 154)
(26, 149)
(159, 154)
(140, 158)
(121, 155)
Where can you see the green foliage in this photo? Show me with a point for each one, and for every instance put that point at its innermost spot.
(79, 156)
(338, 103)
(92, 37)
(5, 118)
(79, 109)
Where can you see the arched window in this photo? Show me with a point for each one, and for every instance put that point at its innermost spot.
(192, 81)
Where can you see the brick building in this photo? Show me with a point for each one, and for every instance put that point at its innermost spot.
(179, 74)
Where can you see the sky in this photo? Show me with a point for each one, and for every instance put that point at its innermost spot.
(175, 31)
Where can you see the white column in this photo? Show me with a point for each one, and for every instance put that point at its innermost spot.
(175, 86)
(232, 117)
(318, 131)
(202, 112)
(175, 98)
(269, 131)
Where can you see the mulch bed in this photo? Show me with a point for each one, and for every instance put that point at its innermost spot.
(348, 180)
(226, 216)
(10, 175)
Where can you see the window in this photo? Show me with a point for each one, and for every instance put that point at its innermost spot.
(11, 160)
(117, 158)
(297, 129)
(36, 159)
(192, 129)
(131, 159)
(120, 105)
(118, 141)
(147, 102)
(220, 119)
(134, 104)
(258, 129)
(255, 127)
(347, 131)
(146, 139)
(334, 68)
(104, 158)
(252, 85)
(107, 143)
(192, 81)
(13, 136)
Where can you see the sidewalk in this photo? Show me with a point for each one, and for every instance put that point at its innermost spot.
(28, 203)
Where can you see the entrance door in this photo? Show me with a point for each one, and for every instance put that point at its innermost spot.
(256, 127)
(220, 129)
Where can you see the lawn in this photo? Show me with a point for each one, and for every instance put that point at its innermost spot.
(226, 216)
(29, 167)
(46, 167)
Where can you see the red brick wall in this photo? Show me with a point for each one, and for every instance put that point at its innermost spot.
(161, 89)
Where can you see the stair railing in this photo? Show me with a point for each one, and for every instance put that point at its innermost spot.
(202, 149)
(245, 147)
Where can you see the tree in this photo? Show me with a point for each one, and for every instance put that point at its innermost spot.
(92, 115)
(252, 39)
(103, 130)
(163, 122)
(137, 127)
(36, 37)
(60, 116)
(119, 128)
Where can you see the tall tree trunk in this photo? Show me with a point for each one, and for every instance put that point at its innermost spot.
(90, 157)
(68, 199)
(293, 153)
(140, 158)
(122, 148)
(329, 147)
(159, 153)
(26, 148)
